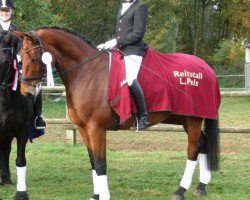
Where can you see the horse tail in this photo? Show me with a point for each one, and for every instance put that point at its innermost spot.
(213, 143)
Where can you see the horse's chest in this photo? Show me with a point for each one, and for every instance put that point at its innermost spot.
(9, 117)
(6, 118)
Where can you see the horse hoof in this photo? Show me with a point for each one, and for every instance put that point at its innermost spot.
(177, 197)
(6, 182)
(95, 197)
(199, 193)
(21, 196)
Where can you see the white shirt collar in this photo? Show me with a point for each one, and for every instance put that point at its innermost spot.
(125, 6)
(5, 25)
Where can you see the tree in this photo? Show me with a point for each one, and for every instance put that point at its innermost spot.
(30, 14)
(192, 26)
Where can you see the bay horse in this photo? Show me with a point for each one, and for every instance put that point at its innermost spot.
(16, 112)
(85, 73)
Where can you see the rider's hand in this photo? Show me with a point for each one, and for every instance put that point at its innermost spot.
(101, 46)
(19, 59)
(108, 45)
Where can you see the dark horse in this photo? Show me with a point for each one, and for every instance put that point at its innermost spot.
(16, 111)
(85, 74)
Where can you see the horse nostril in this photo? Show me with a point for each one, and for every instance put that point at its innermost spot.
(29, 95)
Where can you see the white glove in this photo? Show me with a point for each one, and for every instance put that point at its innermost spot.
(101, 46)
(107, 45)
(19, 59)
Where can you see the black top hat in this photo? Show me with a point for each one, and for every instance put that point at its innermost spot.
(6, 4)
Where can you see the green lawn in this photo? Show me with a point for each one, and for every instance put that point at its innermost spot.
(235, 112)
(62, 172)
(144, 166)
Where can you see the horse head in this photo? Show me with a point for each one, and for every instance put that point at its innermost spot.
(6, 59)
(34, 70)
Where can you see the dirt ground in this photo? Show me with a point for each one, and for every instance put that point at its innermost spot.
(152, 140)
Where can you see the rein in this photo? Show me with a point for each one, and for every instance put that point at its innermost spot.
(80, 64)
(59, 73)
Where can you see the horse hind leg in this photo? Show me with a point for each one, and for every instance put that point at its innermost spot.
(208, 143)
(5, 149)
(95, 140)
(193, 129)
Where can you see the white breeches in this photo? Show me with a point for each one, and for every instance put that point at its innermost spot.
(132, 66)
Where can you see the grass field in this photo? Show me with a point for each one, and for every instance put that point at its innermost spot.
(144, 166)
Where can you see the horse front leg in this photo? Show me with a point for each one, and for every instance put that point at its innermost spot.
(95, 140)
(5, 149)
(193, 129)
(21, 193)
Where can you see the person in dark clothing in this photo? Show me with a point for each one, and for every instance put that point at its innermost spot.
(6, 13)
(130, 29)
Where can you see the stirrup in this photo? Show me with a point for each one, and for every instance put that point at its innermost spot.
(138, 128)
(40, 123)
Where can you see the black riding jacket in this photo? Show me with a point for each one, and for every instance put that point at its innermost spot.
(130, 29)
(17, 43)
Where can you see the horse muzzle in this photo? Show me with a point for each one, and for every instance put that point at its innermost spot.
(30, 89)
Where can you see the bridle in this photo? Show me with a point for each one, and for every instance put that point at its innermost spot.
(41, 78)
(26, 79)
(4, 84)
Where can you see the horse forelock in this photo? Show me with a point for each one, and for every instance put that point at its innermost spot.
(67, 31)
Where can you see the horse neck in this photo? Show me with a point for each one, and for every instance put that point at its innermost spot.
(93, 70)
(85, 66)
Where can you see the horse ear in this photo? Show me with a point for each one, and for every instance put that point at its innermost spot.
(19, 34)
(23, 35)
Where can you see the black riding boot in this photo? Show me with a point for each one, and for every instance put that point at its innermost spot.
(138, 95)
(39, 122)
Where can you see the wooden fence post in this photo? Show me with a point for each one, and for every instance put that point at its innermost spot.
(71, 135)
(70, 129)
(247, 67)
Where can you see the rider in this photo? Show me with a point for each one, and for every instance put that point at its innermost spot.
(130, 29)
(6, 13)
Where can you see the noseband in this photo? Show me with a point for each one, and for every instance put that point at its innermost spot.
(26, 79)
(4, 83)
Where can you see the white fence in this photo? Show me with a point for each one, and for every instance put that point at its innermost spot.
(71, 129)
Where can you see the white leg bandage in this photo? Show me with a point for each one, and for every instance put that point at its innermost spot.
(205, 173)
(132, 65)
(188, 174)
(102, 187)
(94, 176)
(21, 179)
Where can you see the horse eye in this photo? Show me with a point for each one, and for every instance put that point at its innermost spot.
(34, 59)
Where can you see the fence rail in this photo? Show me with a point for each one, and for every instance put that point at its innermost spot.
(160, 127)
(61, 89)
(71, 129)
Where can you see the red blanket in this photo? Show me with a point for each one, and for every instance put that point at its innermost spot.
(180, 83)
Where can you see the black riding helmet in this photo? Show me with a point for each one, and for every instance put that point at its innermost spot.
(127, 1)
(6, 4)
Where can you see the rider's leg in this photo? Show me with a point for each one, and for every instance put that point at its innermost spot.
(133, 64)
(39, 122)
